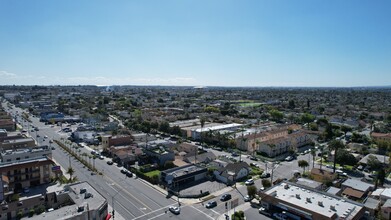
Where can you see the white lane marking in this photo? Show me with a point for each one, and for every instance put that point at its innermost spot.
(202, 212)
(119, 194)
(165, 207)
(157, 216)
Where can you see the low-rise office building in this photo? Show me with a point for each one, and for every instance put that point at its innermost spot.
(306, 203)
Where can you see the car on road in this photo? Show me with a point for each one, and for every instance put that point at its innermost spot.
(45, 136)
(101, 157)
(174, 209)
(51, 141)
(248, 198)
(110, 162)
(289, 158)
(249, 182)
(38, 135)
(226, 197)
(254, 164)
(329, 166)
(211, 204)
(234, 154)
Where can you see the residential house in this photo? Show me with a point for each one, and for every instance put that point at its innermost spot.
(381, 136)
(159, 154)
(204, 158)
(232, 172)
(356, 189)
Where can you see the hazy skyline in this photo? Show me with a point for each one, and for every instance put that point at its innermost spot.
(190, 43)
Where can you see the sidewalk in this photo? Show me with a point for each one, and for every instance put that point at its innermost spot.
(116, 214)
(63, 170)
(242, 207)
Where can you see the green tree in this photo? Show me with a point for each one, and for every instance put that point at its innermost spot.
(276, 115)
(345, 129)
(373, 162)
(251, 191)
(303, 164)
(313, 153)
(291, 104)
(307, 118)
(381, 176)
(344, 157)
(335, 145)
(266, 183)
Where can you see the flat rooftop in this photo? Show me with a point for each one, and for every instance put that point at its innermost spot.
(95, 202)
(177, 172)
(315, 201)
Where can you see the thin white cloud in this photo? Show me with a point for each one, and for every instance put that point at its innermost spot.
(4, 73)
(100, 80)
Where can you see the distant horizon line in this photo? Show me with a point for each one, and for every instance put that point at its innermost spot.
(200, 87)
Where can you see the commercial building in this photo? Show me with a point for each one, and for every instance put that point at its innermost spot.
(300, 202)
(179, 176)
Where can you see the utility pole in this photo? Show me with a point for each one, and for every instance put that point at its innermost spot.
(271, 176)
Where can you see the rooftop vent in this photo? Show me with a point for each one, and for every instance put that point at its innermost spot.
(87, 195)
(298, 196)
(320, 203)
(332, 207)
(286, 186)
(308, 200)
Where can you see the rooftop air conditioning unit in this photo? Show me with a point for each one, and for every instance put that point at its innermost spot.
(298, 196)
(320, 203)
(332, 207)
(308, 199)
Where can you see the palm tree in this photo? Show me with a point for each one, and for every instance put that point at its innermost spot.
(70, 171)
(313, 153)
(321, 156)
(303, 164)
(335, 145)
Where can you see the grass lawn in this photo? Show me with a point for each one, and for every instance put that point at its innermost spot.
(152, 173)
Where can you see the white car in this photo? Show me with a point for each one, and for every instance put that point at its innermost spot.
(249, 182)
(174, 209)
(247, 198)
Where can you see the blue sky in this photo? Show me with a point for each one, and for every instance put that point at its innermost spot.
(209, 43)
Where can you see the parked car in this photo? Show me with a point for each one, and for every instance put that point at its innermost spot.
(211, 204)
(265, 175)
(110, 162)
(225, 197)
(129, 174)
(248, 198)
(249, 182)
(174, 209)
(280, 216)
(124, 171)
(253, 158)
(263, 211)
